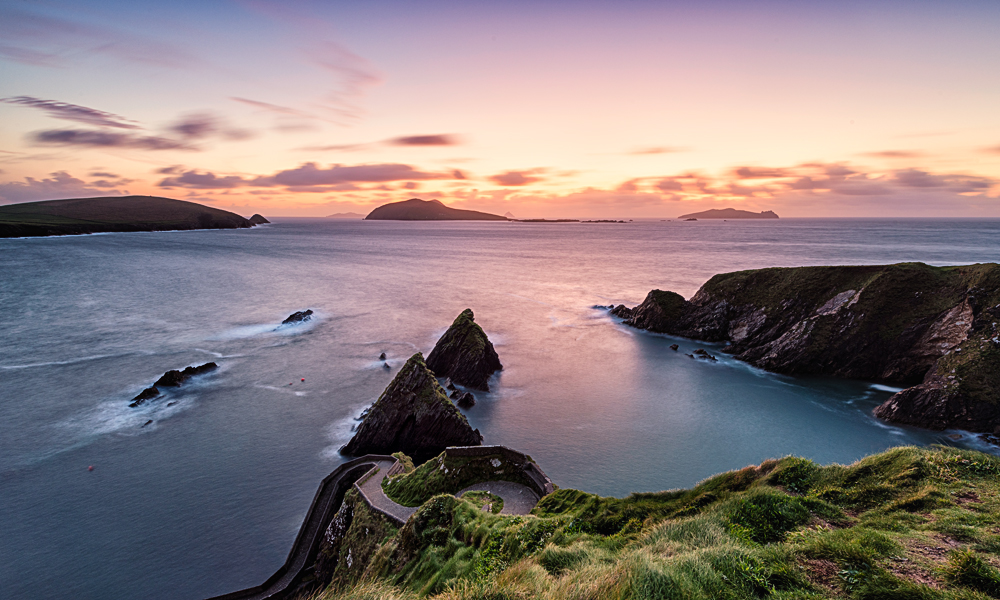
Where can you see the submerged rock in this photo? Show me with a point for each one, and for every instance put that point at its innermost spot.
(298, 317)
(702, 353)
(171, 379)
(465, 354)
(674, 347)
(413, 415)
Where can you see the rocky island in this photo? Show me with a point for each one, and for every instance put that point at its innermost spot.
(465, 354)
(76, 216)
(413, 415)
(933, 330)
(416, 209)
(729, 213)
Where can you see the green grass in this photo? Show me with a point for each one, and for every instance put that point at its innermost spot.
(918, 523)
(448, 475)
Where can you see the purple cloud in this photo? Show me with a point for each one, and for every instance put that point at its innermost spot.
(425, 140)
(60, 185)
(105, 175)
(73, 112)
(106, 139)
(202, 181)
(309, 174)
(759, 173)
(515, 178)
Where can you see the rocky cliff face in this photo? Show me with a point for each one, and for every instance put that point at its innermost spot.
(413, 415)
(933, 328)
(465, 354)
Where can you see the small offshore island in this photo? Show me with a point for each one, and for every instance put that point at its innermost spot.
(477, 521)
(729, 213)
(416, 209)
(115, 214)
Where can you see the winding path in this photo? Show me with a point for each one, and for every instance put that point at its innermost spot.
(366, 474)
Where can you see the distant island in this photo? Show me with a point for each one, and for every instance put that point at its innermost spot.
(346, 215)
(730, 213)
(416, 209)
(75, 216)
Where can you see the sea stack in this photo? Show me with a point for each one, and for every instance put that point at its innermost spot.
(413, 415)
(465, 354)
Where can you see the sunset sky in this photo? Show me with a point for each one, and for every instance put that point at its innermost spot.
(544, 109)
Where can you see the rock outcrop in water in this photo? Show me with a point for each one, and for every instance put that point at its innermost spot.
(298, 317)
(258, 220)
(465, 354)
(413, 415)
(172, 378)
(932, 329)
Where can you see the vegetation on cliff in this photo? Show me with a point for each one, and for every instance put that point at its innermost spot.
(465, 354)
(935, 328)
(907, 523)
(413, 415)
(114, 214)
(416, 209)
(450, 474)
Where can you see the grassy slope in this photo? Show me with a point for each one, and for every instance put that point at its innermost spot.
(448, 475)
(115, 213)
(906, 523)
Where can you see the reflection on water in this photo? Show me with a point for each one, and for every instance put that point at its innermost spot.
(208, 497)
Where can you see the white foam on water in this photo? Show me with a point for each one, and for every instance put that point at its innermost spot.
(269, 329)
(885, 388)
(58, 362)
(339, 433)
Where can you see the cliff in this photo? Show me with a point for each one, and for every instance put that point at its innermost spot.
(416, 209)
(910, 523)
(933, 329)
(465, 354)
(730, 213)
(113, 214)
(413, 415)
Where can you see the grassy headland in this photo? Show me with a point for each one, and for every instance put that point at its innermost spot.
(908, 523)
(112, 214)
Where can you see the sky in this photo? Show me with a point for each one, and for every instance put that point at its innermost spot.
(544, 109)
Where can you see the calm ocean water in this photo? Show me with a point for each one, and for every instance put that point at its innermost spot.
(208, 497)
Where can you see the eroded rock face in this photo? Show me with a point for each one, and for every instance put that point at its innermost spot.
(465, 354)
(413, 415)
(908, 324)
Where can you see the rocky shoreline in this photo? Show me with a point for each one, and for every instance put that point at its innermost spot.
(933, 330)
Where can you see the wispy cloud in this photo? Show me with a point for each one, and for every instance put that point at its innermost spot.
(894, 154)
(517, 178)
(106, 139)
(656, 150)
(308, 177)
(58, 185)
(73, 112)
(40, 40)
(425, 140)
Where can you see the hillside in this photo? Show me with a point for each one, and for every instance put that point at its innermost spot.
(908, 523)
(729, 213)
(931, 329)
(112, 214)
(416, 209)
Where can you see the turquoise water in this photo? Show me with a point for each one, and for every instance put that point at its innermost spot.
(208, 498)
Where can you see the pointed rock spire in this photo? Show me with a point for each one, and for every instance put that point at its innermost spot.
(465, 354)
(413, 415)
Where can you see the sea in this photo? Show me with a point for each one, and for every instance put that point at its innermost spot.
(202, 491)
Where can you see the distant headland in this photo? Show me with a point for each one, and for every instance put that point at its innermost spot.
(416, 209)
(346, 215)
(75, 216)
(730, 213)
